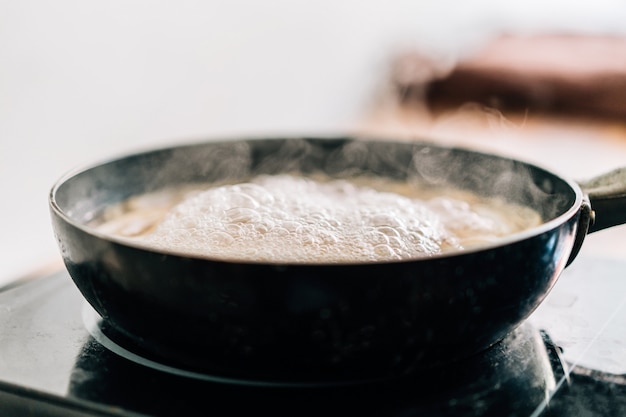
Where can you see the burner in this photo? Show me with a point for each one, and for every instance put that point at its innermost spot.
(512, 376)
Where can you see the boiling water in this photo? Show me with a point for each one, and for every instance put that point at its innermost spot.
(295, 219)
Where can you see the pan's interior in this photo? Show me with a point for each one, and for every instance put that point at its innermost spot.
(83, 196)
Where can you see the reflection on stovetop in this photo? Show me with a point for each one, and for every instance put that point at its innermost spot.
(51, 365)
(509, 379)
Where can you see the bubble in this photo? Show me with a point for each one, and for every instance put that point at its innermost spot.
(291, 226)
(239, 199)
(388, 231)
(280, 232)
(386, 219)
(257, 193)
(261, 228)
(377, 238)
(384, 251)
(396, 243)
(241, 215)
(220, 238)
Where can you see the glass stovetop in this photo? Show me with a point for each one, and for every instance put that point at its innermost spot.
(568, 359)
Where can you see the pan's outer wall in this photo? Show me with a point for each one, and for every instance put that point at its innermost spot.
(308, 322)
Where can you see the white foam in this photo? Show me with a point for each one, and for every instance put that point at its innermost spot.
(294, 219)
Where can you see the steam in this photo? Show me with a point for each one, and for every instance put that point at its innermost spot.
(422, 164)
(492, 176)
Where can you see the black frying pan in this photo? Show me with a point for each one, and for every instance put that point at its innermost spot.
(322, 323)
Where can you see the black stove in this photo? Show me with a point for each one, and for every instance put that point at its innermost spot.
(57, 358)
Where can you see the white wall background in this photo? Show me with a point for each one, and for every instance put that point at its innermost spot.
(81, 80)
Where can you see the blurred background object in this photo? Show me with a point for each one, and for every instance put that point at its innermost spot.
(82, 81)
(575, 73)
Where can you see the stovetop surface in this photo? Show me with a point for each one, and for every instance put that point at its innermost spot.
(53, 362)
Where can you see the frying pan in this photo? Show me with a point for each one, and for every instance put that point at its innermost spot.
(314, 323)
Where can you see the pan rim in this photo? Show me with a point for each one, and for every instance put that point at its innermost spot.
(523, 235)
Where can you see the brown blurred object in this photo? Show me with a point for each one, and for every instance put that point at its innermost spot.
(556, 73)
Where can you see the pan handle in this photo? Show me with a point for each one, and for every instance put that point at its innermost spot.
(607, 196)
(604, 205)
